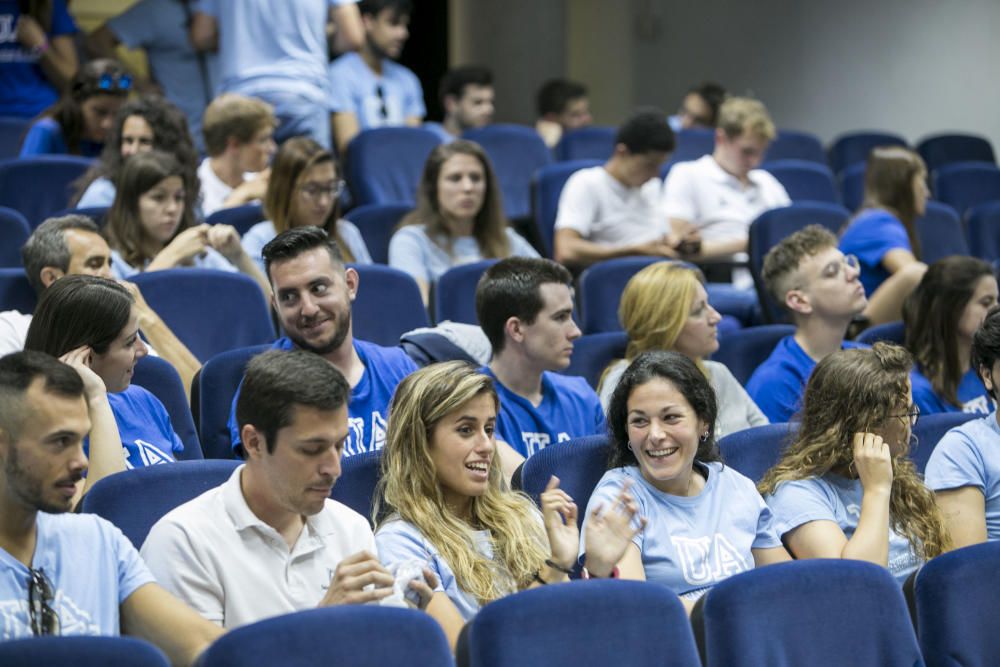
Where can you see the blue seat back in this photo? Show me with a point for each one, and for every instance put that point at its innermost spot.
(579, 464)
(387, 306)
(805, 180)
(14, 231)
(940, 232)
(16, 293)
(756, 450)
(743, 350)
(963, 185)
(601, 288)
(12, 131)
(891, 332)
(593, 352)
(217, 383)
(943, 149)
(596, 142)
(384, 164)
(852, 186)
(517, 152)
(356, 486)
(549, 182)
(928, 432)
(854, 147)
(377, 223)
(793, 145)
(161, 379)
(39, 186)
(692, 144)
(99, 214)
(241, 217)
(455, 292)
(81, 652)
(982, 225)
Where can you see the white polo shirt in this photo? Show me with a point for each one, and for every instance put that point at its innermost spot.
(717, 202)
(232, 568)
(603, 210)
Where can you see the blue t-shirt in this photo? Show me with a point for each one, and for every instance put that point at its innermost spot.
(25, 91)
(354, 88)
(693, 542)
(369, 405)
(263, 233)
(872, 234)
(969, 455)
(45, 137)
(91, 566)
(778, 383)
(569, 409)
(148, 437)
(837, 499)
(972, 395)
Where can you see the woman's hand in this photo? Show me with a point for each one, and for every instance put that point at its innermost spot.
(226, 240)
(424, 588)
(559, 515)
(187, 245)
(79, 359)
(609, 532)
(873, 462)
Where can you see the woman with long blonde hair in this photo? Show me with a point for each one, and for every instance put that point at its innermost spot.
(845, 488)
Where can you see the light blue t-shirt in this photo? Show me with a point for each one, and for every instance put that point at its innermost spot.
(369, 404)
(354, 88)
(971, 392)
(693, 542)
(210, 259)
(569, 409)
(91, 566)
(872, 234)
(412, 250)
(837, 499)
(969, 455)
(100, 192)
(148, 437)
(263, 233)
(45, 137)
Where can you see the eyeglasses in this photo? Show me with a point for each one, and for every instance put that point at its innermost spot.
(383, 111)
(315, 192)
(44, 619)
(913, 414)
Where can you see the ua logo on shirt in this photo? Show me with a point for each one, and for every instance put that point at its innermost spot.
(149, 455)
(707, 559)
(356, 434)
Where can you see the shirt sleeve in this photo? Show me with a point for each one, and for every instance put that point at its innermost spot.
(341, 98)
(519, 247)
(767, 531)
(354, 241)
(774, 394)
(39, 140)
(679, 201)
(133, 27)
(414, 102)
(407, 249)
(174, 561)
(132, 570)
(398, 542)
(957, 461)
(798, 502)
(871, 237)
(101, 192)
(62, 20)
(578, 205)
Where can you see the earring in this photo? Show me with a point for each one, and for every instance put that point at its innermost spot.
(704, 436)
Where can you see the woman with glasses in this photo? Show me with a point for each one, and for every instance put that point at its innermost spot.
(304, 190)
(79, 123)
(942, 316)
(845, 487)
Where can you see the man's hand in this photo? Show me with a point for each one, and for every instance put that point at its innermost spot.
(359, 579)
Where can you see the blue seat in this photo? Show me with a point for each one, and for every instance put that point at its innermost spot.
(943, 149)
(384, 164)
(601, 288)
(641, 625)
(854, 147)
(928, 432)
(982, 225)
(792, 145)
(209, 311)
(805, 180)
(743, 350)
(852, 186)
(14, 231)
(810, 612)
(454, 295)
(940, 232)
(388, 305)
(517, 152)
(161, 379)
(890, 332)
(593, 352)
(756, 450)
(16, 293)
(12, 131)
(241, 217)
(356, 487)
(956, 595)
(217, 382)
(579, 464)
(355, 635)
(692, 144)
(549, 182)
(596, 142)
(136, 499)
(39, 186)
(377, 223)
(81, 652)
(99, 214)
(964, 185)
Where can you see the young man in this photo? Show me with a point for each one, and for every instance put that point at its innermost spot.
(615, 210)
(270, 541)
(563, 105)
(525, 307)
(313, 293)
(368, 88)
(62, 573)
(821, 289)
(467, 97)
(239, 138)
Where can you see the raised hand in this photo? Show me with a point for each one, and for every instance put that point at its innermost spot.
(609, 532)
(80, 359)
(353, 575)
(559, 515)
(873, 462)
(188, 244)
(226, 240)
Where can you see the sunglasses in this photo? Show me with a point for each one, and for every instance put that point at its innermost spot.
(114, 81)
(44, 619)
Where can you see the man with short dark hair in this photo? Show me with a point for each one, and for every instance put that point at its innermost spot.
(467, 96)
(525, 307)
(563, 105)
(63, 573)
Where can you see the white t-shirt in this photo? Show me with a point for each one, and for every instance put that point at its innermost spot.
(232, 568)
(603, 210)
(13, 330)
(213, 189)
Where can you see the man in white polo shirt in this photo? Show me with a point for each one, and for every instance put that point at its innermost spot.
(270, 541)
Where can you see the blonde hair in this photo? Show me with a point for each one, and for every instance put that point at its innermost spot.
(744, 115)
(409, 487)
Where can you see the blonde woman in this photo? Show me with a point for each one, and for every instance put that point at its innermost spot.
(845, 487)
(665, 307)
(445, 502)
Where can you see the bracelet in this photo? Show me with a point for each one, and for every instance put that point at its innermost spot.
(588, 575)
(538, 577)
(564, 570)
(40, 49)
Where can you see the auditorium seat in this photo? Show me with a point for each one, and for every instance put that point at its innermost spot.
(756, 450)
(853, 147)
(516, 152)
(384, 164)
(14, 231)
(39, 186)
(549, 182)
(596, 142)
(942, 149)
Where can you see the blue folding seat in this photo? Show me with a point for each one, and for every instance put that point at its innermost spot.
(377, 223)
(890, 332)
(454, 294)
(14, 231)
(16, 293)
(81, 651)
(579, 464)
(549, 182)
(359, 473)
(388, 305)
(743, 350)
(601, 287)
(756, 450)
(964, 185)
(517, 152)
(216, 385)
(593, 352)
(854, 147)
(940, 233)
(804, 180)
(241, 217)
(792, 145)
(161, 379)
(384, 164)
(39, 186)
(852, 186)
(943, 149)
(929, 430)
(12, 131)
(596, 142)
(982, 225)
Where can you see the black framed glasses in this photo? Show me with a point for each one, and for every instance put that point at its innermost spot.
(913, 413)
(44, 619)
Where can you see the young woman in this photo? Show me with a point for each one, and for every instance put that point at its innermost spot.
(304, 190)
(845, 487)
(150, 224)
(665, 307)
(883, 235)
(459, 217)
(941, 316)
(96, 320)
(447, 506)
(79, 122)
(706, 521)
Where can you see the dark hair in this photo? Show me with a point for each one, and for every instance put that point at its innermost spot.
(680, 371)
(89, 81)
(293, 242)
(40, 10)
(986, 348)
(555, 94)
(18, 371)
(646, 130)
(277, 381)
(931, 314)
(456, 79)
(511, 288)
(889, 178)
(47, 246)
(79, 310)
(714, 95)
(376, 7)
